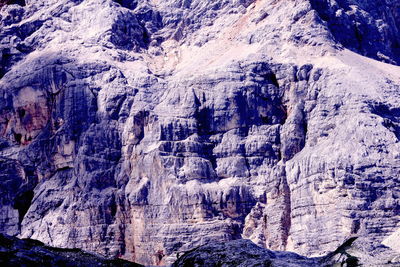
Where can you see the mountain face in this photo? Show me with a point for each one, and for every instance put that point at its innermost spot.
(143, 129)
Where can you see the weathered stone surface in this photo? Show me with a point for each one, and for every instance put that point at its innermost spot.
(140, 129)
(392, 241)
(361, 252)
(241, 253)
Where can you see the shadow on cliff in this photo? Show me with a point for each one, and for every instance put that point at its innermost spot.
(370, 28)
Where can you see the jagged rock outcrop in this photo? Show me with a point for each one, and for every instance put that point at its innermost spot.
(140, 129)
(17, 252)
(241, 253)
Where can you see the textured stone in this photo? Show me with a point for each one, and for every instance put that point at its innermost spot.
(140, 129)
(241, 253)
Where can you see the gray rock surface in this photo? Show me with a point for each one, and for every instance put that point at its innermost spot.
(361, 252)
(241, 253)
(140, 129)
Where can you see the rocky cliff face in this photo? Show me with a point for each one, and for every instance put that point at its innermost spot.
(140, 129)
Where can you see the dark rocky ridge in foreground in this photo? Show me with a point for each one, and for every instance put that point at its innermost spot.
(244, 253)
(17, 252)
(141, 129)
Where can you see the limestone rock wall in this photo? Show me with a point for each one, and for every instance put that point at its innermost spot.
(142, 129)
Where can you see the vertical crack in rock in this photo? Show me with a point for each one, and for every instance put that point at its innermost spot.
(22, 203)
(277, 217)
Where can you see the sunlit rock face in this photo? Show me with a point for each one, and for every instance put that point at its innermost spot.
(143, 129)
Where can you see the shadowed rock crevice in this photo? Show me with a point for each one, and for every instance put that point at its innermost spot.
(16, 188)
(12, 2)
(130, 4)
(390, 115)
(22, 203)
